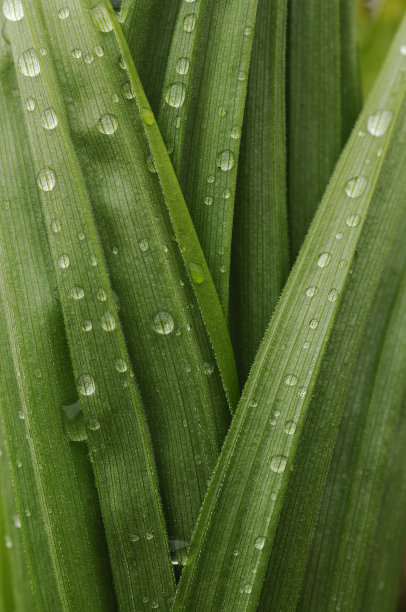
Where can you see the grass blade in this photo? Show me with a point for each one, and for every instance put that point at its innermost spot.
(244, 501)
(314, 109)
(260, 251)
(45, 481)
(148, 27)
(201, 115)
(124, 472)
(351, 93)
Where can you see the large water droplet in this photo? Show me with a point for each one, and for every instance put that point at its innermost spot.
(147, 116)
(175, 95)
(101, 295)
(63, 13)
(48, 119)
(63, 261)
(323, 260)
(225, 160)
(29, 63)
(8, 542)
(278, 464)
(189, 23)
(379, 123)
(77, 293)
(182, 67)
(313, 324)
(208, 369)
(356, 186)
(121, 365)
(86, 325)
(108, 322)
(143, 244)
(76, 53)
(163, 323)
(107, 124)
(333, 295)
(102, 19)
(235, 132)
(290, 427)
(179, 551)
(128, 91)
(196, 273)
(93, 424)
(259, 543)
(311, 291)
(99, 50)
(353, 220)
(291, 380)
(86, 384)
(46, 179)
(13, 10)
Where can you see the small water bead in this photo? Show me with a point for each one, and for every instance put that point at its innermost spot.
(259, 543)
(121, 365)
(247, 589)
(225, 160)
(107, 124)
(102, 19)
(353, 220)
(114, 250)
(291, 380)
(77, 293)
(143, 244)
(333, 295)
(253, 404)
(175, 95)
(76, 53)
(48, 119)
(108, 322)
(63, 261)
(223, 269)
(248, 31)
(19, 463)
(154, 604)
(356, 186)
(242, 75)
(8, 542)
(208, 369)
(343, 263)
(63, 13)
(323, 260)
(128, 91)
(208, 200)
(278, 464)
(379, 123)
(86, 385)
(81, 236)
(302, 392)
(211, 178)
(21, 415)
(122, 63)
(89, 58)
(101, 295)
(149, 535)
(56, 226)
(151, 165)
(99, 50)
(189, 23)
(339, 235)
(306, 345)
(13, 10)
(236, 132)
(93, 424)
(147, 116)
(313, 324)
(29, 63)
(86, 325)
(311, 291)
(134, 538)
(43, 51)
(16, 521)
(402, 50)
(196, 274)
(30, 105)
(290, 427)
(222, 111)
(178, 122)
(93, 261)
(163, 323)
(182, 67)
(227, 194)
(46, 179)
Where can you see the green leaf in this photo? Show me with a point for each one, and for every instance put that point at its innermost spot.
(124, 473)
(148, 27)
(260, 255)
(236, 529)
(61, 535)
(314, 109)
(201, 115)
(351, 94)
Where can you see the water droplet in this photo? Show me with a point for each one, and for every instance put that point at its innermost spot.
(353, 220)
(43, 51)
(323, 260)
(134, 537)
(143, 244)
(311, 291)
(99, 50)
(182, 67)
(56, 226)
(290, 427)
(19, 463)
(77, 293)
(211, 178)
(306, 344)
(175, 95)
(154, 604)
(259, 543)
(48, 119)
(179, 551)
(63, 261)
(21, 415)
(189, 23)
(76, 53)
(101, 295)
(86, 385)
(86, 325)
(13, 10)
(30, 105)
(247, 589)
(114, 250)
(121, 365)
(93, 424)
(196, 273)
(278, 464)
(333, 295)
(402, 50)
(163, 323)
(291, 380)
(227, 194)
(242, 75)
(222, 111)
(248, 31)
(81, 236)
(93, 261)
(225, 160)
(208, 200)
(236, 132)
(339, 235)
(107, 124)
(235, 553)
(253, 404)
(16, 521)
(102, 19)
(302, 392)
(356, 186)
(208, 369)
(313, 324)
(46, 179)
(151, 165)
(8, 542)
(108, 322)
(63, 13)
(29, 63)
(89, 58)
(379, 123)
(128, 91)
(147, 116)
(149, 535)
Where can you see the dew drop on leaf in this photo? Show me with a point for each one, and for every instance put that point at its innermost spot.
(56, 226)
(189, 23)
(208, 369)
(77, 293)
(356, 186)
(121, 365)
(63, 13)
(99, 50)
(46, 179)
(76, 53)
(108, 322)
(48, 119)
(107, 124)
(291, 380)
(333, 295)
(29, 63)
(143, 244)
(196, 274)
(353, 220)
(313, 324)
(163, 323)
(147, 116)
(86, 385)
(379, 123)
(13, 10)
(259, 543)
(208, 200)
(63, 261)
(89, 58)
(290, 427)
(311, 291)
(278, 464)
(236, 132)
(93, 424)
(101, 295)
(323, 260)
(102, 19)
(86, 325)
(225, 160)
(30, 105)
(175, 95)
(128, 91)
(182, 67)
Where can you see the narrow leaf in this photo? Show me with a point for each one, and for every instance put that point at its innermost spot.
(351, 94)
